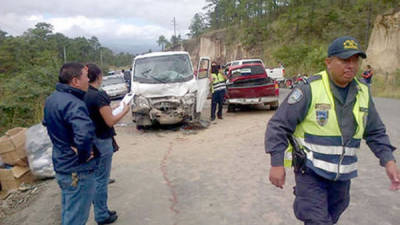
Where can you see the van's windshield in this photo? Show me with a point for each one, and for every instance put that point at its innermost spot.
(163, 69)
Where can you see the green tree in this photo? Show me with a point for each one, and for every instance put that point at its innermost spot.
(162, 41)
(41, 31)
(3, 35)
(175, 40)
(29, 67)
(197, 25)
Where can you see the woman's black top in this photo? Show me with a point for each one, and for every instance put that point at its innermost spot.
(95, 99)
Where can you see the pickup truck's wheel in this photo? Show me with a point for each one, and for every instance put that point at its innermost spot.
(231, 108)
(274, 105)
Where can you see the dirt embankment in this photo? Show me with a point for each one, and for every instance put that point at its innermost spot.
(216, 46)
(384, 44)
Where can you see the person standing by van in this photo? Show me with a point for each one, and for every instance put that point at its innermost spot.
(100, 111)
(218, 91)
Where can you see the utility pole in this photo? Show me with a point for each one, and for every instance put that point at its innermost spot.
(174, 21)
(65, 56)
(101, 57)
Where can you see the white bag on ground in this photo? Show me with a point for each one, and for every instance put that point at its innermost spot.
(39, 151)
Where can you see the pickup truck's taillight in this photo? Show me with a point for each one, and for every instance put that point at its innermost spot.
(276, 85)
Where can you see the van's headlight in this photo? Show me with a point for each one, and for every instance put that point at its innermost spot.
(189, 98)
(142, 102)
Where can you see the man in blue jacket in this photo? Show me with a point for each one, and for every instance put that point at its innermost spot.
(71, 131)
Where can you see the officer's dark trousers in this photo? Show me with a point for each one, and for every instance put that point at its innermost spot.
(217, 98)
(319, 201)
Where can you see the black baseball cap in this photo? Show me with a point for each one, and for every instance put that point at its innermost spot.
(345, 47)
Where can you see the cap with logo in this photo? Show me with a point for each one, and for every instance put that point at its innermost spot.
(345, 47)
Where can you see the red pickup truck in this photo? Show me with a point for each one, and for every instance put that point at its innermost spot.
(249, 84)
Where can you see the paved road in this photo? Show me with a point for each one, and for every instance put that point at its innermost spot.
(218, 176)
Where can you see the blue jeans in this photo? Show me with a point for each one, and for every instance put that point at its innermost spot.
(102, 175)
(320, 201)
(217, 98)
(76, 199)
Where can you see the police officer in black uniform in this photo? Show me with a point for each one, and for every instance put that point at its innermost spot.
(328, 116)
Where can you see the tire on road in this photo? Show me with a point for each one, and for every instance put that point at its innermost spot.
(273, 105)
(231, 108)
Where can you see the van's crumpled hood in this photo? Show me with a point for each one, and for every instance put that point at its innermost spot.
(163, 90)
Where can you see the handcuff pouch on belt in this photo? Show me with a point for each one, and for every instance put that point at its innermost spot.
(299, 156)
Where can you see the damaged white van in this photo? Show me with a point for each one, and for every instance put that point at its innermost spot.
(166, 89)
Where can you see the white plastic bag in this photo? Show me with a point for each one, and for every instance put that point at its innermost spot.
(39, 150)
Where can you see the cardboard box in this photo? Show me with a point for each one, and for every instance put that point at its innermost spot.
(12, 147)
(12, 178)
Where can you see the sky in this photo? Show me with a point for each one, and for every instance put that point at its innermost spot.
(122, 25)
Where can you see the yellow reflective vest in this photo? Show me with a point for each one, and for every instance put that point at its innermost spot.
(320, 136)
(218, 82)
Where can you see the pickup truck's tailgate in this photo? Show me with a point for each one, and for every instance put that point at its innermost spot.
(252, 88)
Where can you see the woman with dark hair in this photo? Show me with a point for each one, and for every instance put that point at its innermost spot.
(100, 111)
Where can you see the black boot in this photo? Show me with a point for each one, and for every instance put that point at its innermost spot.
(110, 219)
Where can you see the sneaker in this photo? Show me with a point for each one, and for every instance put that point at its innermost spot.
(212, 118)
(110, 219)
(220, 117)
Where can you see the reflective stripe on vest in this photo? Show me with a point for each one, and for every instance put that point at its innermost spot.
(320, 133)
(218, 82)
(332, 150)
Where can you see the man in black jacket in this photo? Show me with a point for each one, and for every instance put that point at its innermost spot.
(71, 131)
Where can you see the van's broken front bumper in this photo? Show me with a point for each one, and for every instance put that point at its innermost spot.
(167, 111)
(164, 110)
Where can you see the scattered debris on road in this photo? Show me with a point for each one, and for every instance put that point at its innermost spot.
(14, 201)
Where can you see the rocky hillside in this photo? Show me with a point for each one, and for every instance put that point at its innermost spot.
(215, 45)
(383, 49)
(384, 44)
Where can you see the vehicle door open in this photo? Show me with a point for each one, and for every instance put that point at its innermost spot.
(203, 82)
